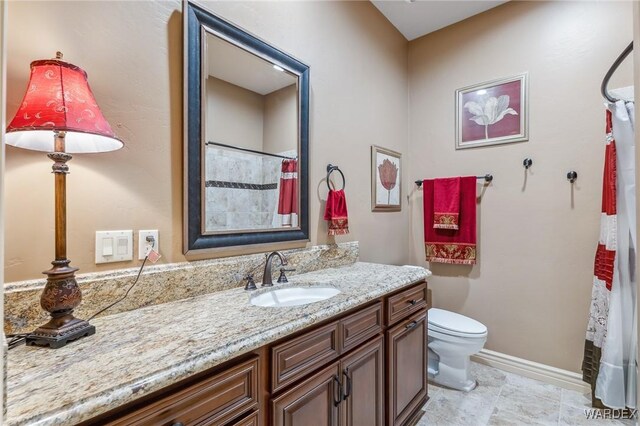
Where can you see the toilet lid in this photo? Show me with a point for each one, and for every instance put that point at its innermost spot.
(446, 320)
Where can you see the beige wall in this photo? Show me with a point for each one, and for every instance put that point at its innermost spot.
(235, 115)
(281, 120)
(132, 52)
(532, 284)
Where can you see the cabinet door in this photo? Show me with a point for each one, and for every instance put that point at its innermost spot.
(363, 386)
(407, 368)
(314, 402)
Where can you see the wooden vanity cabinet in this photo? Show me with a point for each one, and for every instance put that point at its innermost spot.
(382, 371)
(367, 367)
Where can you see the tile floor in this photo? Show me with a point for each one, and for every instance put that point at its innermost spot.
(503, 398)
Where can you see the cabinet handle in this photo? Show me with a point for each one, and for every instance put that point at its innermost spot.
(347, 392)
(336, 402)
(412, 302)
(411, 325)
(177, 424)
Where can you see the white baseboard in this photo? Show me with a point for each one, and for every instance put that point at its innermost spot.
(534, 370)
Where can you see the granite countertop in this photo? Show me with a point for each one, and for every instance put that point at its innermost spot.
(138, 352)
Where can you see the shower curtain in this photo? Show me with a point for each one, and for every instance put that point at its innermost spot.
(287, 214)
(609, 363)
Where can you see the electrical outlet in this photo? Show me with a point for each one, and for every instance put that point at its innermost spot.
(114, 246)
(144, 246)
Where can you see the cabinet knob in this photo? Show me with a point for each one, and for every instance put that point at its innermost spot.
(412, 302)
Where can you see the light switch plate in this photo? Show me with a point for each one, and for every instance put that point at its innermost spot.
(145, 247)
(114, 246)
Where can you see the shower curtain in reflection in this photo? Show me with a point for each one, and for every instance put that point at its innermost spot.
(609, 364)
(288, 198)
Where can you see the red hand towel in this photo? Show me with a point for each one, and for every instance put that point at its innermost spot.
(336, 213)
(448, 245)
(446, 203)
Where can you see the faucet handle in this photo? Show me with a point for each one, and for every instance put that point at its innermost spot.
(251, 284)
(283, 278)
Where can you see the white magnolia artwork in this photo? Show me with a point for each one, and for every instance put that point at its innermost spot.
(492, 113)
(489, 112)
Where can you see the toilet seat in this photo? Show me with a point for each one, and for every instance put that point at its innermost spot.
(453, 324)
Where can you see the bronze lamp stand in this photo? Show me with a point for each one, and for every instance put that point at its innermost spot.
(61, 294)
(59, 107)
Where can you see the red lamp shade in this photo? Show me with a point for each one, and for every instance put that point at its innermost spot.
(58, 98)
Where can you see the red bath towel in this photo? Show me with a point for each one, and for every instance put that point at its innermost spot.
(449, 245)
(446, 203)
(336, 213)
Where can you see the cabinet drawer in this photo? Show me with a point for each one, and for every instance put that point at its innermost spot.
(406, 302)
(251, 420)
(298, 357)
(361, 326)
(214, 400)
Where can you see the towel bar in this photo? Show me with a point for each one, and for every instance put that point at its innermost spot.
(487, 179)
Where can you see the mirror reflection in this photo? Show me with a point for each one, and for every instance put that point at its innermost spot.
(250, 112)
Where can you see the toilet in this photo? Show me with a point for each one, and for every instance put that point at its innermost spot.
(453, 338)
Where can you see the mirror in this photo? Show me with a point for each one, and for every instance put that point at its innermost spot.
(246, 141)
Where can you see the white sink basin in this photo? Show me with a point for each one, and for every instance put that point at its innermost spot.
(293, 296)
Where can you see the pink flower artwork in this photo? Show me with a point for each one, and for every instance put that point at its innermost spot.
(386, 185)
(388, 176)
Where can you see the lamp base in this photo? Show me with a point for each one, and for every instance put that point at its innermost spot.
(60, 331)
(59, 297)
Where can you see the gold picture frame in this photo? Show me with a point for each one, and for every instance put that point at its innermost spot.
(386, 180)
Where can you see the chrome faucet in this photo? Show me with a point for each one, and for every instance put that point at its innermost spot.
(267, 280)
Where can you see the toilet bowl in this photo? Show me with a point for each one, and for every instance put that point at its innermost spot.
(453, 338)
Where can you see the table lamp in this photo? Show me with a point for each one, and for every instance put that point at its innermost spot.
(59, 115)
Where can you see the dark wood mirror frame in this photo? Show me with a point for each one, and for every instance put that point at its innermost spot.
(195, 241)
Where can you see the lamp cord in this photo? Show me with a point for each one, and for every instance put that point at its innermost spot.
(19, 338)
(125, 295)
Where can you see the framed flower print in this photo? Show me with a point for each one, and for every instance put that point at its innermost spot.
(492, 113)
(386, 185)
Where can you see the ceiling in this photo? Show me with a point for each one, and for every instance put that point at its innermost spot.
(237, 66)
(417, 18)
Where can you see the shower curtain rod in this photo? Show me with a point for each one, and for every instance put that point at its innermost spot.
(487, 178)
(249, 150)
(614, 67)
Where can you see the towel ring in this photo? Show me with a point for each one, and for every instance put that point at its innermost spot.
(330, 169)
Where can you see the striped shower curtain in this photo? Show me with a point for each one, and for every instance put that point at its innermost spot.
(288, 197)
(609, 363)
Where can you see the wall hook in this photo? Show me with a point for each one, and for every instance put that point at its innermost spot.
(528, 162)
(572, 176)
